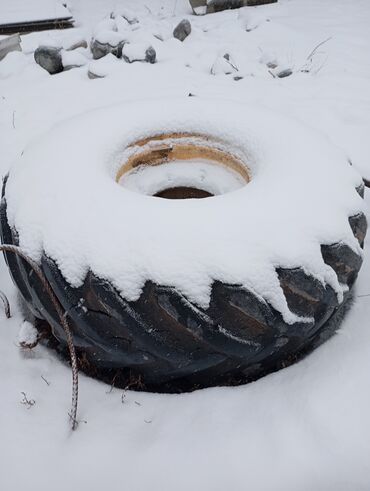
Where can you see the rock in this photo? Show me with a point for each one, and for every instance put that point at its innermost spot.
(271, 65)
(284, 73)
(150, 55)
(129, 16)
(93, 75)
(254, 3)
(361, 189)
(49, 58)
(358, 224)
(218, 5)
(133, 52)
(199, 7)
(182, 30)
(78, 44)
(100, 49)
(11, 43)
(103, 67)
(269, 59)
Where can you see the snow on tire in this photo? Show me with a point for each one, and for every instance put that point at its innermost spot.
(184, 293)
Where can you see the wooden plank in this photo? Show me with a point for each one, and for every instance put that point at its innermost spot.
(45, 25)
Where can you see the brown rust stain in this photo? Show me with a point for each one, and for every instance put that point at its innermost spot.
(181, 151)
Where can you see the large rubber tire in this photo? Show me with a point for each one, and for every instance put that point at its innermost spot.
(164, 342)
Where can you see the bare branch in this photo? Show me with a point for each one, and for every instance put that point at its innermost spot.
(309, 57)
(45, 380)
(307, 67)
(27, 402)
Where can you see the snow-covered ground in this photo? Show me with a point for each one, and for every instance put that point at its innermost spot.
(303, 428)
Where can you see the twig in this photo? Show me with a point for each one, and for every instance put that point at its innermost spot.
(130, 21)
(75, 422)
(5, 301)
(112, 384)
(27, 402)
(59, 309)
(227, 58)
(309, 57)
(45, 380)
(308, 64)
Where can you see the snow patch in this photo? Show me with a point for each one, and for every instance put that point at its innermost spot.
(192, 173)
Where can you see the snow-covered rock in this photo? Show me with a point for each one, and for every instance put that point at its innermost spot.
(269, 59)
(73, 59)
(100, 48)
(286, 72)
(182, 30)
(49, 58)
(132, 52)
(129, 15)
(103, 66)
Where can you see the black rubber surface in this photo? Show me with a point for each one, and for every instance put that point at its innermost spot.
(164, 342)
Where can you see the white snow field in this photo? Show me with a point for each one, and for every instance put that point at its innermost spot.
(304, 428)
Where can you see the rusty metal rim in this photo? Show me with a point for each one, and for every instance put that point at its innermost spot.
(178, 146)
